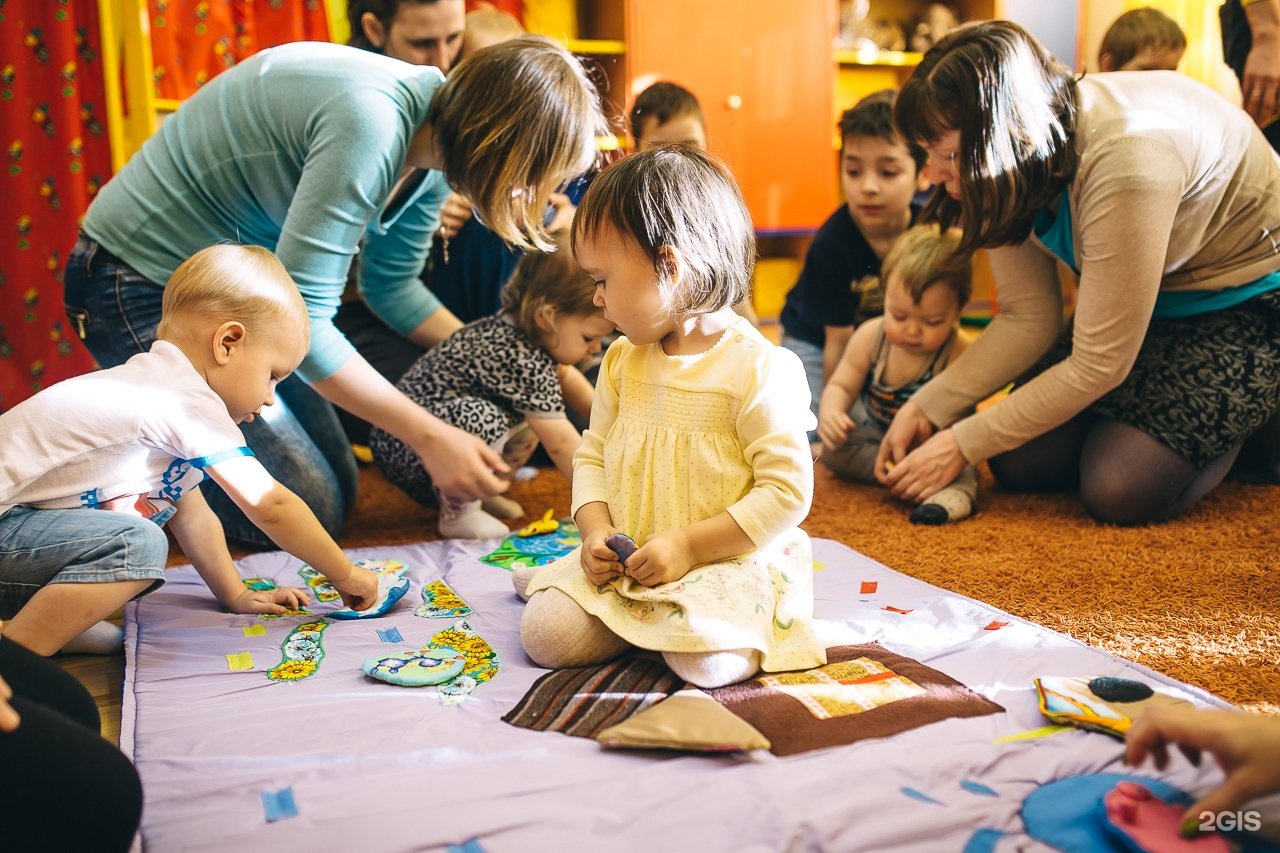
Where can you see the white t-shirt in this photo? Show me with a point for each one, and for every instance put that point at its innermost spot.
(135, 436)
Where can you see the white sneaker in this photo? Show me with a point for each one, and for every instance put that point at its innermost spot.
(468, 521)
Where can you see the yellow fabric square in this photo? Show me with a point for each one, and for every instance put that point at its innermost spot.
(242, 660)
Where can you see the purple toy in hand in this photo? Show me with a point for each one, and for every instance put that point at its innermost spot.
(622, 545)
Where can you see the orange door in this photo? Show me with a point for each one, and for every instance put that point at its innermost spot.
(764, 72)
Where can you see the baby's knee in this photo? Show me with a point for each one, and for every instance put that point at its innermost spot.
(542, 631)
(126, 547)
(148, 545)
(855, 459)
(557, 633)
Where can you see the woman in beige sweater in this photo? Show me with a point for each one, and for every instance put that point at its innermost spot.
(1165, 200)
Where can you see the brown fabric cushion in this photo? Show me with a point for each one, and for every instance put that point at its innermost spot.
(586, 700)
(864, 691)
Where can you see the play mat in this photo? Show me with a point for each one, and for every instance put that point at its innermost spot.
(924, 732)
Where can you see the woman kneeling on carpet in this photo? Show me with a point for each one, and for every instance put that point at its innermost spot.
(1164, 198)
(697, 446)
(312, 150)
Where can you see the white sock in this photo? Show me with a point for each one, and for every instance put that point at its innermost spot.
(949, 504)
(103, 638)
(521, 577)
(714, 669)
(500, 506)
(469, 521)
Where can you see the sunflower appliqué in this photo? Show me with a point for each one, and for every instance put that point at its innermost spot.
(479, 663)
(302, 651)
(439, 601)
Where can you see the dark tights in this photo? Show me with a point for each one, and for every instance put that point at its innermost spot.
(65, 788)
(1124, 476)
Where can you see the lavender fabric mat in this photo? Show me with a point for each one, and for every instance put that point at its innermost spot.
(374, 767)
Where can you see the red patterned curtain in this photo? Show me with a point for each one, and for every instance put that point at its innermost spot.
(192, 40)
(51, 118)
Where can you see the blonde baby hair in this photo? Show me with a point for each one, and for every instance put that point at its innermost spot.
(232, 282)
(679, 197)
(548, 280)
(924, 256)
(486, 26)
(513, 121)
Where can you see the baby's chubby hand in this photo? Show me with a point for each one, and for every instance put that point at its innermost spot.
(359, 590)
(834, 428)
(599, 563)
(269, 600)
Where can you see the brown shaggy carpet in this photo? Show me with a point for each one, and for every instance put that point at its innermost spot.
(1197, 598)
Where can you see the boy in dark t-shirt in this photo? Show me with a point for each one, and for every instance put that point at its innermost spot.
(838, 286)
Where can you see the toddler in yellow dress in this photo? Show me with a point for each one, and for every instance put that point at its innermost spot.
(697, 446)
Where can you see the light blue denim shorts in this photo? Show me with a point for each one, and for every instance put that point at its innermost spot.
(44, 546)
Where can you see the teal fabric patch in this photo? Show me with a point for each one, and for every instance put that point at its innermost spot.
(279, 805)
(917, 795)
(390, 635)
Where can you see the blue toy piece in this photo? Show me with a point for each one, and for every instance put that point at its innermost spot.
(622, 545)
(420, 668)
(391, 588)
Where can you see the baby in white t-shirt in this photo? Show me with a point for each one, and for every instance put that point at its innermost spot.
(92, 467)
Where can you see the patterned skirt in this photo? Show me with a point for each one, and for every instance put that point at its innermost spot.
(1201, 384)
(762, 600)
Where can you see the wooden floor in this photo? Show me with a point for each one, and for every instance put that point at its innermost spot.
(104, 676)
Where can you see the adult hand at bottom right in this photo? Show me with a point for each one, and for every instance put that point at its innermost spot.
(1245, 746)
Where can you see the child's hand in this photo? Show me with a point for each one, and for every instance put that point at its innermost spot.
(663, 558)
(269, 600)
(1246, 747)
(599, 563)
(9, 718)
(833, 428)
(359, 590)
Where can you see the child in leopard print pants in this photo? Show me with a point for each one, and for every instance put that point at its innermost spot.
(498, 378)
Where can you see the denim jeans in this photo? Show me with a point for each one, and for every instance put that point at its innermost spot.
(43, 546)
(115, 311)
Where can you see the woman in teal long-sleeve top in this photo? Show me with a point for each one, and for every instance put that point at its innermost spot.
(314, 150)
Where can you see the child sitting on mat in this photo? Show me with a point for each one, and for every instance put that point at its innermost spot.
(890, 357)
(697, 447)
(137, 440)
(498, 379)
